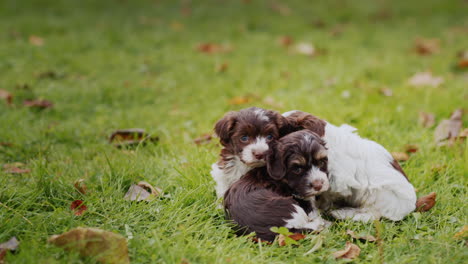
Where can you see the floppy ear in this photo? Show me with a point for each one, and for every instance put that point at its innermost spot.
(275, 163)
(225, 126)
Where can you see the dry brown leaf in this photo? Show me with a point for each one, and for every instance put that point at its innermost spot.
(6, 144)
(462, 234)
(297, 236)
(463, 133)
(222, 67)
(15, 168)
(426, 119)
(78, 207)
(213, 48)
(142, 191)
(411, 148)
(177, 26)
(425, 46)
(203, 139)
(305, 49)
(6, 96)
(425, 203)
(10, 245)
(285, 41)
(280, 8)
(448, 129)
(80, 186)
(130, 137)
(36, 40)
(105, 246)
(462, 59)
(238, 100)
(366, 238)
(425, 79)
(386, 92)
(400, 156)
(38, 103)
(281, 240)
(351, 251)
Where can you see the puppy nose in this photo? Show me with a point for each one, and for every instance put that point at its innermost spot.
(258, 155)
(317, 185)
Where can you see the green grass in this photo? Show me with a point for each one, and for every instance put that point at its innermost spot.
(124, 64)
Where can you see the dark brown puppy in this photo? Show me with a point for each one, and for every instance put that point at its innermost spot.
(268, 197)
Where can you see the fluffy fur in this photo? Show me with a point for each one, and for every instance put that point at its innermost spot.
(363, 174)
(281, 193)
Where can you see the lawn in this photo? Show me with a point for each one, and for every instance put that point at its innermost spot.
(108, 65)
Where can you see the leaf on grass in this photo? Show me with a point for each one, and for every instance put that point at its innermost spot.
(285, 41)
(462, 59)
(142, 191)
(238, 100)
(448, 129)
(15, 168)
(361, 237)
(425, 79)
(305, 49)
(5, 95)
(280, 8)
(36, 40)
(38, 103)
(130, 137)
(400, 156)
(203, 139)
(411, 148)
(49, 75)
(425, 203)
(318, 242)
(222, 67)
(386, 91)
(78, 207)
(426, 119)
(351, 251)
(10, 245)
(424, 46)
(214, 48)
(463, 134)
(80, 186)
(6, 144)
(104, 246)
(462, 234)
(272, 102)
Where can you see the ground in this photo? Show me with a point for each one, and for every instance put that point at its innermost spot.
(107, 65)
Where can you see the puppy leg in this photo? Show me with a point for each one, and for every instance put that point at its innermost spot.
(356, 214)
(300, 220)
(395, 205)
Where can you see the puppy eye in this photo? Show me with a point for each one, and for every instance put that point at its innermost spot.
(322, 163)
(269, 137)
(297, 170)
(244, 138)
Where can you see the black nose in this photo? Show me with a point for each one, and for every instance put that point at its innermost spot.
(258, 156)
(317, 185)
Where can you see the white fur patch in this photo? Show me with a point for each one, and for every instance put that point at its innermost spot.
(225, 178)
(286, 114)
(315, 174)
(260, 113)
(258, 146)
(300, 220)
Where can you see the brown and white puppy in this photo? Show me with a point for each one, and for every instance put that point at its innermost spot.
(362, 174)
(280, 194)
(246, 136)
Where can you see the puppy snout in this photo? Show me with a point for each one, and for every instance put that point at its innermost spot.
(259, 155)
(317, 185)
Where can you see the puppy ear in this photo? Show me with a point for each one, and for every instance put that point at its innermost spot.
(302, 120)
(225, 127)
(275, 164)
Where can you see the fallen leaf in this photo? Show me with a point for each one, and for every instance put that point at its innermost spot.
(130, 137)
(318, 240)
(78, 207)
(425, 79)
(426, 119)
(463, 134)
(305, 49)
(285, 41)
(142, 191)
(386, 92)
(411, 148)
(297, 236)
(222, 67)
(425, 46)
(400, 156)
(48, 75)
(366, 237)
(351, 251)
(16, 168)
(448, 129)
(36, 41)
(6, 144)
(281, 240)
(213, 48)
(105, 246)
(462, 234)
(177, 26)
(6, 96)
(438, 168)
(272, 102)
(280, 8)
(425, 203)
(462, 59)
(38, 103)
(10, 245)
(203, 139)
(80, 186)
(238, 100)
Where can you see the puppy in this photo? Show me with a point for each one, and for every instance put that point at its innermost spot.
(246, 137)
(362, 174)
(280, 194)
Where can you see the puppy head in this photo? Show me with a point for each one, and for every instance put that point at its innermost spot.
(249, 132)
(300, 160)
